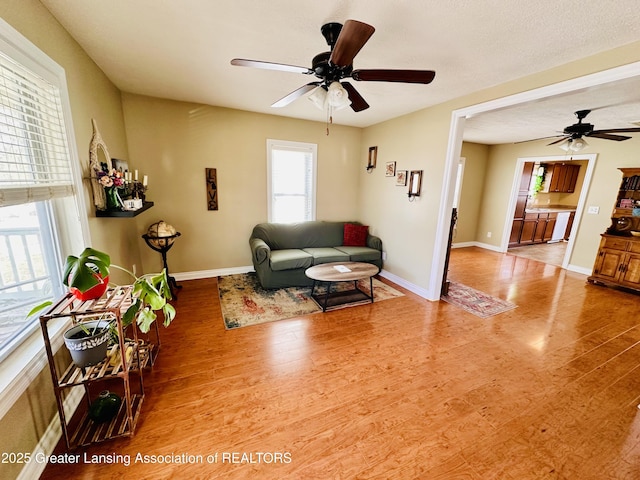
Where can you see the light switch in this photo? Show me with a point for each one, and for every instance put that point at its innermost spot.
(593, 210)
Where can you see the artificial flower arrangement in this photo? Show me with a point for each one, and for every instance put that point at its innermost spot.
(119, 185)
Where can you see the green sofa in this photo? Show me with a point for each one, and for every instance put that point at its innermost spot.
(282, 252)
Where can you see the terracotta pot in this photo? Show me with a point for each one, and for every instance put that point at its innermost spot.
(94, 292)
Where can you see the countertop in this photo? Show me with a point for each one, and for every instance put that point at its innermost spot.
(551, 209)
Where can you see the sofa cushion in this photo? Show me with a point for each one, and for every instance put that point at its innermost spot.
(360, 254)
(291, 258)
(355, 235)
(314, 234)
(327, 255)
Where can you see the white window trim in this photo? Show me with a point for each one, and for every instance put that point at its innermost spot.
(27, 361)
(310, 147)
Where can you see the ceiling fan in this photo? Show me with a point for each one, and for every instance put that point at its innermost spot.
(334, 66)
(573, 134)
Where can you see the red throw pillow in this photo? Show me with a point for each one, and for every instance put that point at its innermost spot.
(355, 235)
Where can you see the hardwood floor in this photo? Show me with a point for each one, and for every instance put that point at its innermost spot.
(403, 388)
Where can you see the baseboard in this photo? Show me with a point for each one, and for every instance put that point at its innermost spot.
(486, 246)
(422, 292)
(211, 273)
(51, 436)
(577, 269)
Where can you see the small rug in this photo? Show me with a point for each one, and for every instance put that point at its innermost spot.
(475, 301)
(244, 302)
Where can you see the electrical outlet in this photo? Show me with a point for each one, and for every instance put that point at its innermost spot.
(488, 234)
(593, 210)
(133, 270)
(384, 255)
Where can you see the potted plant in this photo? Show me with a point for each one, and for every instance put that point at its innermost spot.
(86, 275)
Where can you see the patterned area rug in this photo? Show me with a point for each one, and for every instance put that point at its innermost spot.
(244, 302)
(475, 301)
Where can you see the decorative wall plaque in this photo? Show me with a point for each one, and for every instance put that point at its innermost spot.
(212, 189)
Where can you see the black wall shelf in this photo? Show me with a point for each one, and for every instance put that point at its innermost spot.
(124, 213)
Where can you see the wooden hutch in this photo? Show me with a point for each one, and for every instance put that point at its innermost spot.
(618, 260)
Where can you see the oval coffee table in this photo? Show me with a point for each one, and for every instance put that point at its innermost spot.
(341, 272)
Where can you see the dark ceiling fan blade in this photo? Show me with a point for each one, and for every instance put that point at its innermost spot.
(286, 100)
(403, 76)
(607, 136)
(561, 139)
(241, 62)
(540, 138)
(352, 38)
(617, 130)
(357, 102)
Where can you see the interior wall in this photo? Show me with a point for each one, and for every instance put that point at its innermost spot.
(471, 191)
(173, 142)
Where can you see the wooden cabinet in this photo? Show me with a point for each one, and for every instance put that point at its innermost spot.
(521, 205)
(562, 178)
(534, 228)
(618, 261)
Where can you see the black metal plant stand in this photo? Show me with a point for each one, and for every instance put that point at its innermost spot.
(163, 245)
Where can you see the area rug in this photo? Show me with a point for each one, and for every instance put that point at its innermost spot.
(475, 301)
(244, 302)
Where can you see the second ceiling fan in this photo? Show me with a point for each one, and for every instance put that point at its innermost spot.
(334, 66)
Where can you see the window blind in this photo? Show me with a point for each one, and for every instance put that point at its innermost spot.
(34, 159)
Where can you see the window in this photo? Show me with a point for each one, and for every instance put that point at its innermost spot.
(291, 172)
(40, 215)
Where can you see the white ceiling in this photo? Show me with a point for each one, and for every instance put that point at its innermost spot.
(181, 50)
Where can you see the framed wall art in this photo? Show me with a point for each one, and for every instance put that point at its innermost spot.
(390, 170)
(401, 178)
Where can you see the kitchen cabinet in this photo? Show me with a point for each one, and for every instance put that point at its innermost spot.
(537, 227)
(561, 178)
(521, 204)
(618, 260)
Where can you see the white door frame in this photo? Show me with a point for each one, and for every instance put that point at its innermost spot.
(506, 232)
(454, 147)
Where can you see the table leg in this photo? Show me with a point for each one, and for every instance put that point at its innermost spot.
(371, 288)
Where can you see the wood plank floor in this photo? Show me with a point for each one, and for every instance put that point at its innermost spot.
(402, 389)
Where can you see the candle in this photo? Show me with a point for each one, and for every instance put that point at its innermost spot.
(144, 181)
(136, 176)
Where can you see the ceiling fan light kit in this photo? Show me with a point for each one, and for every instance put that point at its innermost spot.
(345, 41)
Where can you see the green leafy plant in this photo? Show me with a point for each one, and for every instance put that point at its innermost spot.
(81, 272)
(151, 292)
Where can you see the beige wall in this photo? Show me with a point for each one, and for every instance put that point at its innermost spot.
(471, 191)
(173, 142)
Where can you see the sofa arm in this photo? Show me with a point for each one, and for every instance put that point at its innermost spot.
(260, 251)
(374, 242)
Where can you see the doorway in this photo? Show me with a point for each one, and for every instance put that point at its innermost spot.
(554, 251)
(544, 218)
